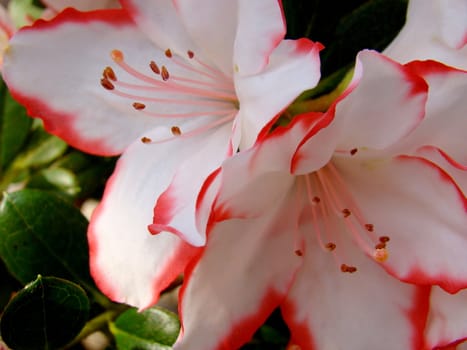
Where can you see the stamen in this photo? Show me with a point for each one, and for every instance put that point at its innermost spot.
(117, 56)
(384, 239)
(109, 73)
(106, 84)
(139, 106)
(353, 151)
(298, 252)
(145, 139)
(380, 246)
(330, 246)
(380, 255)
(164, 73)
(369, 227)
(168, 53)
(346, 212)
(316, 200)
(176, 130)
(154, 67)
(347, 268)
(190, 54)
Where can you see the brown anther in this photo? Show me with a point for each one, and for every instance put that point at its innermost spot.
(168, 53)
(316, 200)
(145, 139)
(380, 246)
(346, 212)
(164, 73)
(117, 56)
(154, 67)
(347, 268)
(106, 84)
(369, 227)
(298, 252)
(109, 73)
(380, 255)
(330, 246)
(176, 131)
(190, 54)
(139, 106)
(384, 239)
(353, 151)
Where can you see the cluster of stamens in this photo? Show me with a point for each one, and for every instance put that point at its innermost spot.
(199, 85)
(329, 198)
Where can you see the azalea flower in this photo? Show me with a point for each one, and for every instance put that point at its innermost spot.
(330, 216)
(177, 86)
(434, 30)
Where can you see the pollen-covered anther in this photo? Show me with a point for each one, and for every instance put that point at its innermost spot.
(380, 245)
(109, 73)
(139, 106)
(353, 151)
(168, 53)
(380, 255)
(369, 227)
(330, 246)
(190, 54)
(346, 212)
(298, 252)
(315, 200)
(384, 239)
(176, 130)
(164, 73)
(154, 67)
(347, 268)
(117, 56)
(106, 84)
(145, 139)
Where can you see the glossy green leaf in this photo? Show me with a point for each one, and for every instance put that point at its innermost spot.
(14, 127)
(46, 314)
(152, 329)
(42, 233)
(59, 179)
(42, 149)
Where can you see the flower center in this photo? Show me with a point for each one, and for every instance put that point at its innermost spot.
(333, 209)
(185, 84)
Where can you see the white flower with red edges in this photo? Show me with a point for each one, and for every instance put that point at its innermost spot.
(176, 86)
(344, 219)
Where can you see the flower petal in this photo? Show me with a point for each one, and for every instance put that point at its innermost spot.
(81, 5)
(128, 263)
(160, 21)
(447, 318)
(293, 67)
(397, 105)
(62, 86)
(212, 25)
(434, 30)
(425, 219)
(261, 27)
(225, 298)
(368, 309)
(194, 161)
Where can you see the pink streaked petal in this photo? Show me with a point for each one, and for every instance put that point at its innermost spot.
(367, 309)
(447, 319)
(81, 5)
(128, 263)
(397, 105)
(262, 170)
(264, 95)
(212, 25)
(175, 208)
(434, 30)
(71, 100)
(160, 21)
(444, 123)
(425, 219)
(238, 290)
(261, 27)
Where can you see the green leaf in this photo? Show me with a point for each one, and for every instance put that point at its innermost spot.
(152, 329)
(14, 127)
(42, 149)
(59, 179)
(42, 233)
(47, 314)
